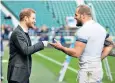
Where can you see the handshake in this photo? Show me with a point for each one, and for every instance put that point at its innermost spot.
(45, 43)
(56, 45)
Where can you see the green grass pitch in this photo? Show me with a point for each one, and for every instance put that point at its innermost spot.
(45, 71)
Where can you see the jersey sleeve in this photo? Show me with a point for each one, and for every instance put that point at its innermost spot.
(82, 35)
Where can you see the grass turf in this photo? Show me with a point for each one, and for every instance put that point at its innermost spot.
(44, 71)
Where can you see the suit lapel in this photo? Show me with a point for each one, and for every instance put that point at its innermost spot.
(24, 35)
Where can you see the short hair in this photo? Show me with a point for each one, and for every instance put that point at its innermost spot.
(84, 9)
(25, 12)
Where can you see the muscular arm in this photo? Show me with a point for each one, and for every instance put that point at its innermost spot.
(106, 51)
(76, 51)
(81, 41)
(108, 47)
(112, 53)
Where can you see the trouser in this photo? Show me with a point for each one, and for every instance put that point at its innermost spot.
(17, 82)
(92, 76)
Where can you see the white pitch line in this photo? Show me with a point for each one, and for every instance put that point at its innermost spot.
(56, 62)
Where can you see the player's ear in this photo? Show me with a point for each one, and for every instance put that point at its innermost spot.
(25, 18)
(83, 16)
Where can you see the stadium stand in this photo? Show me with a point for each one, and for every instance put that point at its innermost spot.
(5, 19)
(61, 9)
(51, 13)
(105, 13)
(42, 14)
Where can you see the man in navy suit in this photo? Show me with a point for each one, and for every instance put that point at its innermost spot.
(20, 61)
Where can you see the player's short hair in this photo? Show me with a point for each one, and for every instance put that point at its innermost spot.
(84, 9)
(25, 12)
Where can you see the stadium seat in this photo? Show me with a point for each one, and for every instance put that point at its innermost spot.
(105, 13)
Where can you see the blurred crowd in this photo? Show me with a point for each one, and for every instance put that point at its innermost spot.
(42, 32)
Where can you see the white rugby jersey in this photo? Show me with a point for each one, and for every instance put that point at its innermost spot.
(93, 34)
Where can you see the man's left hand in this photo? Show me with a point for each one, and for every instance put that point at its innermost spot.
(56, 45)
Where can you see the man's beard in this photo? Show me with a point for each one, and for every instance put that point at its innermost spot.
(79, 23)
(30, 26)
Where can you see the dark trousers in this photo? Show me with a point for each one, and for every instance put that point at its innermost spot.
(12, 82)
(17, 82)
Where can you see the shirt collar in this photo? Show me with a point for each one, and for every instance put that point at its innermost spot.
(88, 22)
(26, 31)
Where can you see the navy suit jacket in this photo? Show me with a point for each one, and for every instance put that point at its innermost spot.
(20, 61)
